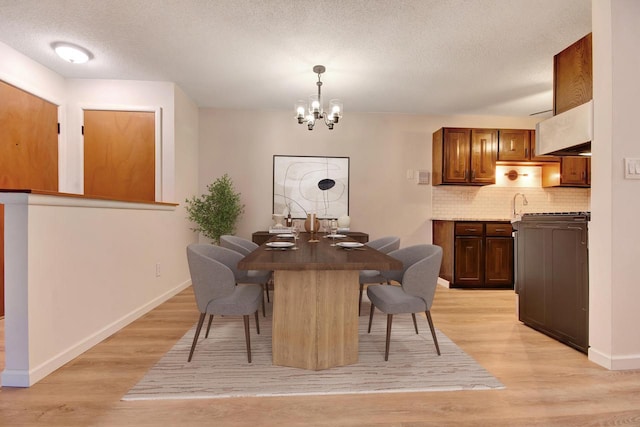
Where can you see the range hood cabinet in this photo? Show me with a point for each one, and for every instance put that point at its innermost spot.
(566, 134)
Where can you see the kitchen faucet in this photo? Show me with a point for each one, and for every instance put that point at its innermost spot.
(524, 203)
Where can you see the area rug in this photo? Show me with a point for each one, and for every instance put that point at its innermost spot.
(219, 368)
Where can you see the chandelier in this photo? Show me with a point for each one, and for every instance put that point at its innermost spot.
(316, 110)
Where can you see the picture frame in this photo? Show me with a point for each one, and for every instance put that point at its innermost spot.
(311, 184)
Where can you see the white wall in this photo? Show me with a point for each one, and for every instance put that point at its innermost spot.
(381, 148)
(74, 275)
(120, 95)
(614, 235)
(22, 72)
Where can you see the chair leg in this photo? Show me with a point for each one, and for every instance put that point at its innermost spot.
(433, 331)
(360, 300)
(209, 326)
(264, 312)
(415, 324)
(386, 349)
(267, 289)
(257, 323)
(371, 317)
(195, 338)
(246, 336)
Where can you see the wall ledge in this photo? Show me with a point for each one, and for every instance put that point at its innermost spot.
(49, 198)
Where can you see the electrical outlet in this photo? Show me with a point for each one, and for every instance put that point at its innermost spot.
(157, 269)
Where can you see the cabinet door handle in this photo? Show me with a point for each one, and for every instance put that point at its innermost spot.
(583, 241)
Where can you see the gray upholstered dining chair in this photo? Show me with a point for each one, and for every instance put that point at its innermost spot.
(216, 291)
(418, 280)
(385, 245)
(245, 247)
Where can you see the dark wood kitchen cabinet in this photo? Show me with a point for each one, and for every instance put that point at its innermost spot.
(514, 145)
(573, 75)
(519, 145)
(571, 171)
(469, 254)
(464, 156)
(476, 254)
(498, 267)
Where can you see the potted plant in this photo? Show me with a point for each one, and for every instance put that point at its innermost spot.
(216, 212)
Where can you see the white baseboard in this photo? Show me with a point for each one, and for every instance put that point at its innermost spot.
(614, 363)
(443, 282)
(28, 377)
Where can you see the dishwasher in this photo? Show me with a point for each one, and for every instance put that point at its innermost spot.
(552, 271)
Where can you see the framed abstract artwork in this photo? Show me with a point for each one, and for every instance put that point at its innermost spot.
(307, 184)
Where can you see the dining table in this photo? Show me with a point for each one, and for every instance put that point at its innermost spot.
(315, 296)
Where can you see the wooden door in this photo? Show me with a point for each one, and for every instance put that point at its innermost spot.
(484, 148)
(119, 154)
(514, 145)
(456, 155)
(574, 171)
(1, 260)
(468, 261)
(498, 269)
(28, 141)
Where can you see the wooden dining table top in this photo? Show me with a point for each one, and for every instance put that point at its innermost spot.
(319, 255)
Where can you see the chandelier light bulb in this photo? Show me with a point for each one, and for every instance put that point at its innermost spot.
(316, 110)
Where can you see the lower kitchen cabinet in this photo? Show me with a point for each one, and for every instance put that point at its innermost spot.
(553, 283)
(498, 267)
(476, 254)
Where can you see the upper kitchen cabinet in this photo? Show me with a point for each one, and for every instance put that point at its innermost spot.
(514, 145)
(464, 156)
(573, 76)
(572, 171)
(518, 145)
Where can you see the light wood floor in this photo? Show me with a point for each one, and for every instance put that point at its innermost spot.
(547, 383)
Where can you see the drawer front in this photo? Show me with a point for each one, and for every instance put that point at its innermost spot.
(499, 230)
(469, 229)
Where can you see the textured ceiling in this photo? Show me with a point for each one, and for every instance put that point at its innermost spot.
(410, 56)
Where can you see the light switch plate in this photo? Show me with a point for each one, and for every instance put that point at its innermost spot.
(422, 177)
(631, 168)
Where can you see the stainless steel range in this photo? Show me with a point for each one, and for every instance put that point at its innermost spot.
(552, 271)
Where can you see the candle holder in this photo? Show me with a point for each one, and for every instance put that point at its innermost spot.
(312, 224)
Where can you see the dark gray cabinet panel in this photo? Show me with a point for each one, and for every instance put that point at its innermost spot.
(553, 283)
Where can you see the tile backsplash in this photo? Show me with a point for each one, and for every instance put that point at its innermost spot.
(496, 202)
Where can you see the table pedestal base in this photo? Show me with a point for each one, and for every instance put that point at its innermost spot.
(315, 318)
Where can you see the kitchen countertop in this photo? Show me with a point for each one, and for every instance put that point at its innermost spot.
(471, 219)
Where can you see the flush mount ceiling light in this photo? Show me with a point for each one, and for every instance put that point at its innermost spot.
(316, 110)
(72, 53)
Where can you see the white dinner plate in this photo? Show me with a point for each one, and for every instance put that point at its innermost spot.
(336, 236)
(285, 236)
(349, 244)
(280, 244)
